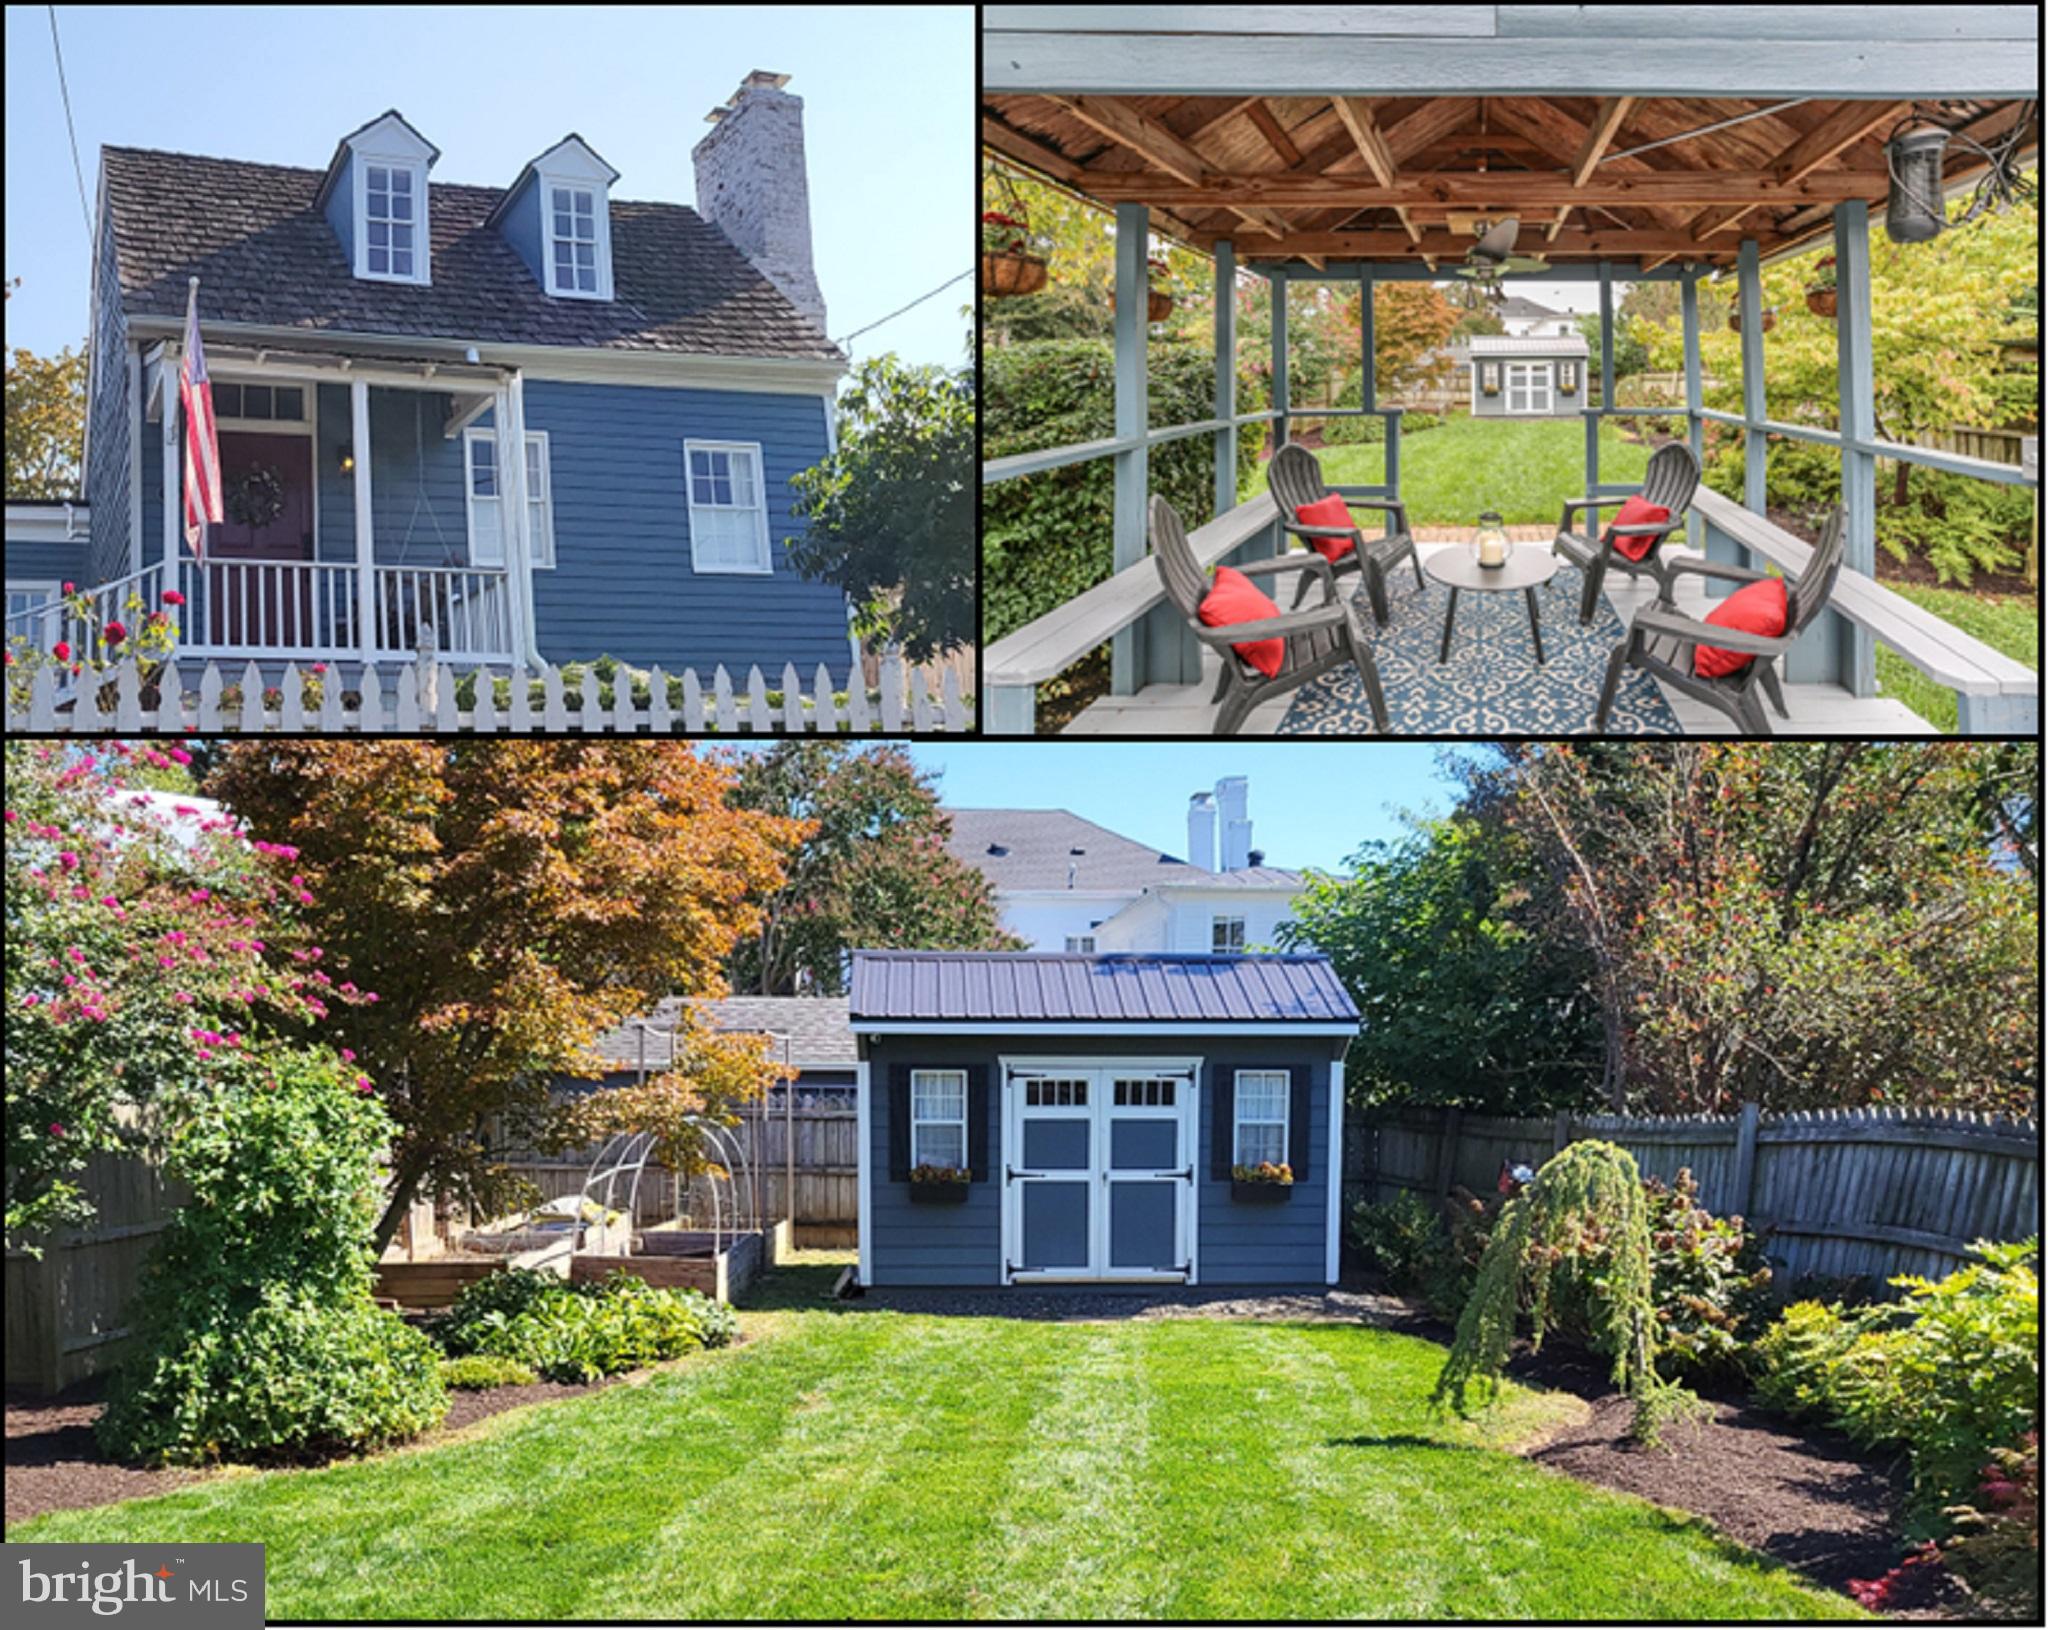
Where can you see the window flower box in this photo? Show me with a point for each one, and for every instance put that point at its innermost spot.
(938, 1185)
(1263, 1185)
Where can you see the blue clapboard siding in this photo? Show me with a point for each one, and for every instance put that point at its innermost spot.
(107, 475)
(59, 563)
(1237, 1244)
(521, 226)
(341, 207)
(623, 584)
(417, 513)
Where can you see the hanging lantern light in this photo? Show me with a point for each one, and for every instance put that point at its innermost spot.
(1914, 210)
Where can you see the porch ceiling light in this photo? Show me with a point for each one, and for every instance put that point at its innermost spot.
(348, 458)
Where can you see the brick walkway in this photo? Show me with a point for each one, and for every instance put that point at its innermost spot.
(1463, 534)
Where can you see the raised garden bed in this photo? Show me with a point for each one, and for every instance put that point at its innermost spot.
(721, 1265)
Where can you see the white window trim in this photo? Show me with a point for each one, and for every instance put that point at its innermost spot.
(1237, 1120)
(601, 210)
(544, 538)
(1535, 376)
(1080, 945)
(1216, 921)
(917, 1121)
(54, 623)
(301, 426)
(422, 272)
(767, 565)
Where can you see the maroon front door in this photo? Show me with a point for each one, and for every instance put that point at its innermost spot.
(251, 605)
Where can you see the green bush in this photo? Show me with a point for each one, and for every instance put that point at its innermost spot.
(479, 1373)
(257, 1337)
(1412, 1245)
(1951, 1371)
(1047, 537)
(579, 1332)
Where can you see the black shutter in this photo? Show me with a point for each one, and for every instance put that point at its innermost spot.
(1222, 1121)
(1297, 1122)
(899, 1123)
(981, 1104)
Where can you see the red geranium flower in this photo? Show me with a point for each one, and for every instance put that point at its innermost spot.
(116, 633)
(173, 598)
(61, 650)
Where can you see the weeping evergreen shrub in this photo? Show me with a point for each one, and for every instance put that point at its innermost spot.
(1584, 1214)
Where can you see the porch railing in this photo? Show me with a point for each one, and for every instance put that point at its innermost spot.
(43, 625)
(310, 610)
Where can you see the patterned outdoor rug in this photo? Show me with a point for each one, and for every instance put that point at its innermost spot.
(1491, 686)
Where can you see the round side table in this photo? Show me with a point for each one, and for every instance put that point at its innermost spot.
(1527, 569)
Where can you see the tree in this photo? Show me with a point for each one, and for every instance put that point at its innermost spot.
(873, 870)
(889, 512)
(1800, 925)
(1463, 998)
(1631, 356)
(508, 902)
(45, 421)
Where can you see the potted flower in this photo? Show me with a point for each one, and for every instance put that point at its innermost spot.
(1263, 1184)
(938, 1185)
(1820, 288)
(1008, 268)
(1159, 297)
(1735, 317)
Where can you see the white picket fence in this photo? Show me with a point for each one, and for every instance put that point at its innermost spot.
(420, 698)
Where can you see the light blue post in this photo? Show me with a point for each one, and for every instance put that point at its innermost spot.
(1606, 337)
(1369, 389)
(1277, 281)
(1749, 283)
(1858, 410)
(1127, 667)
(1226, 375)
(1695, 426)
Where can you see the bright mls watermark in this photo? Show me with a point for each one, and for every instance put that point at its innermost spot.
(169, 1587)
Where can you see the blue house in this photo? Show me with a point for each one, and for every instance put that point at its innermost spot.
(1109, 1114)
(378, 338)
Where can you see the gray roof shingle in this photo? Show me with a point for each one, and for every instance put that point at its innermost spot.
(264, 254)
(1031, 988)
(816, 1026)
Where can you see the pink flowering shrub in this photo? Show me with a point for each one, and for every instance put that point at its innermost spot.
(144, 954)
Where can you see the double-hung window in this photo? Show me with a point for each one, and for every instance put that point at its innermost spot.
(486, 498)
(1226, 935)
(1260, 1129)
(392, 214)
(938, 1118)
(728, 507)
(573, 251)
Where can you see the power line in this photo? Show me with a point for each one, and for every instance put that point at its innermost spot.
(77, 169)
(900, 310)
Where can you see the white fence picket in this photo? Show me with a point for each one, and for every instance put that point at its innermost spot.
(422, 697)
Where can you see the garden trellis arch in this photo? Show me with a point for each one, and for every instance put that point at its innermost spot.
(1336, 145)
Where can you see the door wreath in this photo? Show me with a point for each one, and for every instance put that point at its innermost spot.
(255, 497)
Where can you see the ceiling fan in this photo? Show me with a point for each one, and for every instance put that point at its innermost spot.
(1493, 252)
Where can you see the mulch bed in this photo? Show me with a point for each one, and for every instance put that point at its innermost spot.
(53, 1463)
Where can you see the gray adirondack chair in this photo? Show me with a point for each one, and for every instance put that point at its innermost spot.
(1322, 637)
(1670, 480)
(1295, 478)
(1661, 640)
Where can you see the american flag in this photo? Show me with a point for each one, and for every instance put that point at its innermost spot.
(202, 445)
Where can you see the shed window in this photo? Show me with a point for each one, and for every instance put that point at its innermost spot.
(938, 1118)
(1261, 1119)
(572, 215)
(728, 507)
(391, 221)
(1226, 935)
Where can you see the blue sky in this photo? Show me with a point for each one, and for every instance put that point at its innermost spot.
(888, 121)
(1312, 803)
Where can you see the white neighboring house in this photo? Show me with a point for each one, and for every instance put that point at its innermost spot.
(1525, 319)
(1066, 884)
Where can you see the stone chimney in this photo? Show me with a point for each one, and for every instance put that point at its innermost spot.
(750, 184)
(1202, 832)
(1233, 795)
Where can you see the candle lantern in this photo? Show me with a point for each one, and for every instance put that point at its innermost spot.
(1913, 211)
(1490, 544)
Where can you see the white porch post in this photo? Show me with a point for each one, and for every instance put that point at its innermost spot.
(1226, 375)
(1128, 665)
(1858, 422)
(518, 522)
(170, 477)
(366, 546)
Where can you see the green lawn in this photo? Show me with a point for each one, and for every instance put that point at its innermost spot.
(2008, 623)
(849, 1463)
(1524, 468)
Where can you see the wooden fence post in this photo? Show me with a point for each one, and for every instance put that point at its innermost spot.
(1561, 1132)
(1743, 1184)
(1447, 1151)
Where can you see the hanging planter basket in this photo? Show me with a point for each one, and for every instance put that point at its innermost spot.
(1735, 319)
(1821, 302)
(1158, 305)
(1005, 277)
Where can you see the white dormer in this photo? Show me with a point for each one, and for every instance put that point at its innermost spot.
(375, 196)
(557, 214)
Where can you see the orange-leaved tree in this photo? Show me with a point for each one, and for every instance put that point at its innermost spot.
(509, 902)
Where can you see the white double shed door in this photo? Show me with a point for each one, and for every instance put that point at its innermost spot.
(1099, 1169)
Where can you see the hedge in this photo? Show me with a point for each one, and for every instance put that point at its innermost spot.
(1047, 537)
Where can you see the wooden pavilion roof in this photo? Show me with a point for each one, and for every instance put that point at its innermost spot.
(1315, 178)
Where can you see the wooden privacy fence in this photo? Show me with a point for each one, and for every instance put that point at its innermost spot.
(1840, 1193)
(429, 697)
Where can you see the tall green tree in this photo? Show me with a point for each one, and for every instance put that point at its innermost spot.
(873, 872)
(1464, 999)
(45, 420)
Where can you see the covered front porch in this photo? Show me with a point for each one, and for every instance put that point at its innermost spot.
(1631, 145)
(368, 517)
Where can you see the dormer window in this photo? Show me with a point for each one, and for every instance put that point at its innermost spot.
(557, 215)
(391, 198)
(574, 255)
(374, 195)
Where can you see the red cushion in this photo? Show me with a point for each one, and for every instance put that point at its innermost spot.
(1637, 511)
(1235, 598)
(1330, 511)
(1755, 608)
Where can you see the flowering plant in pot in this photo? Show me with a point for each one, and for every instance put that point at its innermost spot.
(1267, 1182)
(1159, 298)
(1008, 266)
(1820, 288)
(938, 1185)
(1735, 318)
